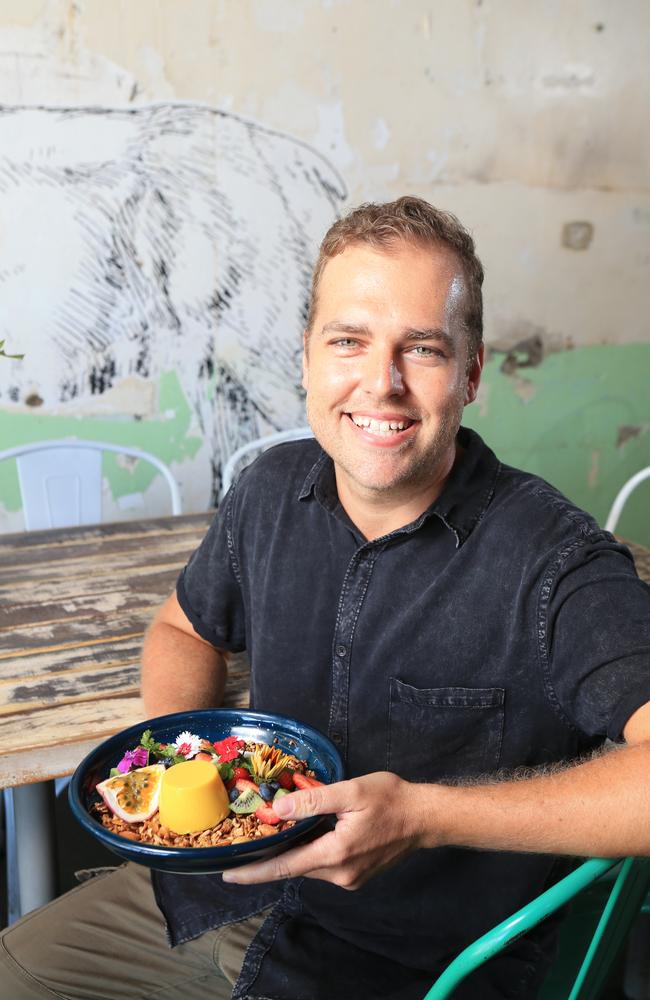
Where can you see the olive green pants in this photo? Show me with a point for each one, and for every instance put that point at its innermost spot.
(105, 940)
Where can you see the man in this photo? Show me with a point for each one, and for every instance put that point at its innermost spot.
(442, 617)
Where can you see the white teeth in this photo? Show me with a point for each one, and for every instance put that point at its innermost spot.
(382, 427)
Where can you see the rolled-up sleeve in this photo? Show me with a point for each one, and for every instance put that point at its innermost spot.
(598, 638)
(208, 588)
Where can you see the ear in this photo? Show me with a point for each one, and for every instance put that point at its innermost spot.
(474, 376)
(305, 360)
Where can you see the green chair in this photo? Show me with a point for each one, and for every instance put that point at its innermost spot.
(625, 891)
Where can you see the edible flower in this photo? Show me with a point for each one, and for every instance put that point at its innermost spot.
(229, 748)
(133, 758)
(187, 744)
(268, 762)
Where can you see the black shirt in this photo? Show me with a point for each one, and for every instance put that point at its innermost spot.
(501, 628)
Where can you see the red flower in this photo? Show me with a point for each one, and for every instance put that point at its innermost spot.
(229, 748)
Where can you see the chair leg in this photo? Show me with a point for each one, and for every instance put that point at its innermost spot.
(30, 847)
(11, 869)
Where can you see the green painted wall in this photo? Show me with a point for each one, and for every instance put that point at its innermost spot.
(167, 437)
(580, 419)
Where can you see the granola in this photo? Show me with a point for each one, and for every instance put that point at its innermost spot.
(235, 830)
(254, 774)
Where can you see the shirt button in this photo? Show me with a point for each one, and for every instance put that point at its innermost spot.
(341, 650)
(337, 737)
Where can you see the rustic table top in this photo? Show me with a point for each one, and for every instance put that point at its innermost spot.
(74, 606)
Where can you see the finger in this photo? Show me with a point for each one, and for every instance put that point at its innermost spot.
(299, 861)
(317, 801)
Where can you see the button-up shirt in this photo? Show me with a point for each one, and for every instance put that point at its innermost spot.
(500, 629)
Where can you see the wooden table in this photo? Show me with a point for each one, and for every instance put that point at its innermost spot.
(74, 606)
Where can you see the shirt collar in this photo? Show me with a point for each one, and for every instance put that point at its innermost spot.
(470, 487)
(461, 505)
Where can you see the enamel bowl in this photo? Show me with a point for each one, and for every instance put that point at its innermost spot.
(213, 724)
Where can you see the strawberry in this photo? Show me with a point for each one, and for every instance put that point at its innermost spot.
(241, 772)
(303, 781)
(285, 780)
(230, 784)
(267, 814)
(244, 784)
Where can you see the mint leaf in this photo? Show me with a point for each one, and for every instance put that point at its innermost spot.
(158, 750)
(225, 770)
(147, 741)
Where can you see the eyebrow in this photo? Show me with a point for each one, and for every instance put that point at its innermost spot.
(411, 333)
(435, 333)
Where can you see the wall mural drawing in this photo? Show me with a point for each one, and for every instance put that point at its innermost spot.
(167, 238)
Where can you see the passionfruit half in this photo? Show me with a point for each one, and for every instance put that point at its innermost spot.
(133, 796)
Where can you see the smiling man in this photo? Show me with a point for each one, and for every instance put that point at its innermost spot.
(447, 620)
(388, 369)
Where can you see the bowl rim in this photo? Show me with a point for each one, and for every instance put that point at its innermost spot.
(214, 852)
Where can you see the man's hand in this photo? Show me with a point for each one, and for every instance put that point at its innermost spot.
(600, 808)
(376, 825)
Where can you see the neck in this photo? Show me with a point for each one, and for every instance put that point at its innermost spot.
(378, 512)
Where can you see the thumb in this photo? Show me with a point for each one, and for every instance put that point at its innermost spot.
(316, 801)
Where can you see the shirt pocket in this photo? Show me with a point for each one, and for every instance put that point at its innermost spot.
(437, 734)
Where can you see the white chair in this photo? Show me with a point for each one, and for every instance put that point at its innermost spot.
(61, 481)
(61, 487)
(259, 444)
(622, 497)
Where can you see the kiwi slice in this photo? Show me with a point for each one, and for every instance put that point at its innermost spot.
(247, 802)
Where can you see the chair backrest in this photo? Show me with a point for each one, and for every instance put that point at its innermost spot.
(61, 481)
(247, 451)
(628, 890)
(622, 496)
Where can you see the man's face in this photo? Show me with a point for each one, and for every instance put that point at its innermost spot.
(386, 369)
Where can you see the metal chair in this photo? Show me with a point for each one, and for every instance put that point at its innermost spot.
(259, 444)
(622, 496)
(61, 481)
(61, 486)
(624, 901)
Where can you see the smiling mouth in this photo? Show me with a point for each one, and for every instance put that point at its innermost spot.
(382, 428)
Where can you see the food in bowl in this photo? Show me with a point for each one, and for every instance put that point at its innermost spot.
(193, 798)
(198, 793)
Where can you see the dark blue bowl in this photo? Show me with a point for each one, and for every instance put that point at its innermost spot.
(212, 724)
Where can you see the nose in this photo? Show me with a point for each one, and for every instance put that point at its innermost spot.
(381, 376)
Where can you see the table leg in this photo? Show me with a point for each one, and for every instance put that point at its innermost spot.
(31, 848)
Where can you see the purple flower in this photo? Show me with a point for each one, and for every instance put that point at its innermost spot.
(133, 758)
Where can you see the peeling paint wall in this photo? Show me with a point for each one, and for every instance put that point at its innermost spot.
(171, 238)
(527, 120)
